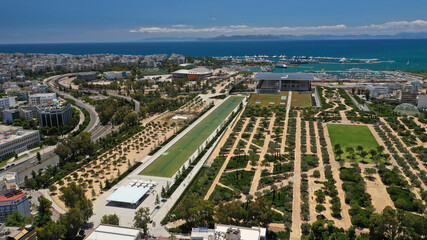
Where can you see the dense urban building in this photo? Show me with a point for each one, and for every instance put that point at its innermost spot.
(10, 115)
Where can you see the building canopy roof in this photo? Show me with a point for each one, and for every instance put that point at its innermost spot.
(128, 194)
(285, 76)
(108, 232)
(196, 71)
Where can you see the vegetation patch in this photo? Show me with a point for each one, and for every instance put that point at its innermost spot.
(264, 100)
(301, 100)
(239, 180)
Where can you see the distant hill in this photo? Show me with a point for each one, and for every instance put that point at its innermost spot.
(270, 37)
(242, 38)
(169, 39)
(313, 37)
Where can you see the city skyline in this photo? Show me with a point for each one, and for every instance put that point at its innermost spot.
(78, 21)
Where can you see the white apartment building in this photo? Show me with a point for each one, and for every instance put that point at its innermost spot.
(7, 102)
(42, 98)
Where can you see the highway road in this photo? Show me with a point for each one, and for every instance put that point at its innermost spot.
(94, 119)
(26, 166)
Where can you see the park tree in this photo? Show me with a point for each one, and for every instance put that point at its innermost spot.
(157, 202)
(316, 174)
(367, 94)
(50, 231)
(339, 152)
(259, 213)
(63, 151)
(373, 152)
(86, 207)
(229, 213)
(39, 157)
(16, 220)
(43, 211)
(196, 212)
(72, 194)
(369, 172)
(141, 219)
(350, 150)
(337, 146)
(73, 220)
(112, 219)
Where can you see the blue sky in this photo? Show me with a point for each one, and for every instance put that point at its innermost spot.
(25, 21)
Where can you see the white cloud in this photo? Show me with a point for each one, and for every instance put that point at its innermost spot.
(180, 25)
(374, 29)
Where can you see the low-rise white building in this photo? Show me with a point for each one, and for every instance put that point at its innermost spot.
(15, 140)
(42, 98)
(377, 90)
(114, 75)
(225, 232)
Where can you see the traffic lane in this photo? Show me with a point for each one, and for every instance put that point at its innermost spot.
(52, 161)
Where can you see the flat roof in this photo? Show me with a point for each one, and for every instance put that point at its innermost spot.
(109, 232)
(254, 233)
(285, 76)
(12, 196)
(128, 194)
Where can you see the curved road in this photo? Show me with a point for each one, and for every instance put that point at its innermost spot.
(94, 119)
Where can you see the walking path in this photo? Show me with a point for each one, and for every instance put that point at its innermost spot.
(285, 127)
(345, 221)
(296, 202)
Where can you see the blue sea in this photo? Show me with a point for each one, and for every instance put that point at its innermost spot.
(405, 54)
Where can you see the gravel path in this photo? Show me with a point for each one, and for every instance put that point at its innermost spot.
(296, 202)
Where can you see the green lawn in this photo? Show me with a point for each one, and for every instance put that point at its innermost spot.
(352, 136)
(301, 99)
(265, 99)
(173, 158)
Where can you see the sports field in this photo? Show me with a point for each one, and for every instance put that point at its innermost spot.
(352, 136)
(301, 99)
(265, 100)
(173, 158)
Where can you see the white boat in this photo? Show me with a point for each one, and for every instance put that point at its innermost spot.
(281, 65)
